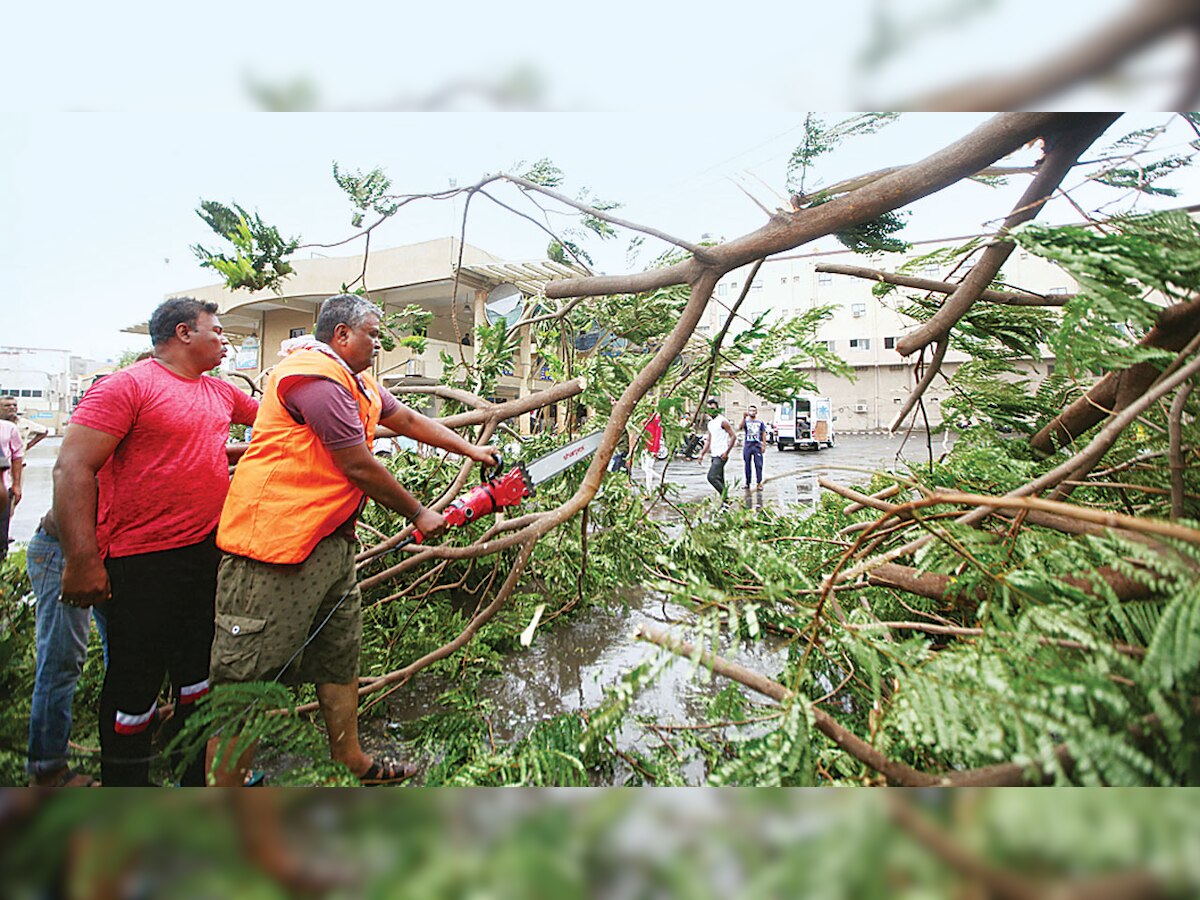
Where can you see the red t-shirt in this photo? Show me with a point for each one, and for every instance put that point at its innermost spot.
(654, 434)
(165, 483)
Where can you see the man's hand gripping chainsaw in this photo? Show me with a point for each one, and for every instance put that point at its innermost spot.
(509, 490)
(495, 493)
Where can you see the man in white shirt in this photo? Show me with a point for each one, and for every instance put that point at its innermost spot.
(31, 432)
(12, 461)
(720, 440)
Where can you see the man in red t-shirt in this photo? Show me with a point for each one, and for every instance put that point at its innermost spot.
(138, 488)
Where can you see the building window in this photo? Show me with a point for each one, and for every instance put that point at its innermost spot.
(783, 280)
(795, 278)
(297, 332)
(831, 345)
(889, 343)
(932, 269)
(756, 285)
(1058, 290)
(824, 278)
(858, 310)
(722, 289)
(860, 343)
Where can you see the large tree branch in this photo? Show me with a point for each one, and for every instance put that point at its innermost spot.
(1177, 325)
(930, 373)
(1175, 439)
(443, 391)
(942, 587)
(1063, 150)
(501, 412)
(1075, 467)
(1001, 885)
(1143, 23)
(895, 772)
(1006, 298)
(720, 338)
(989, 142)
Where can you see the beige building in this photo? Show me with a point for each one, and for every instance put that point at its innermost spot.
(434, 275)
(45, 382)
(864, 329)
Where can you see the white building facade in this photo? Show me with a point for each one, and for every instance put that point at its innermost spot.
(45, 381)
(864, 328)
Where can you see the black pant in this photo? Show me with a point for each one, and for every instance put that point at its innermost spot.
(5, 514)
(160, 623)
(716, 473)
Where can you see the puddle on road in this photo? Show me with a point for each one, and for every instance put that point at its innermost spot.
(569, 667)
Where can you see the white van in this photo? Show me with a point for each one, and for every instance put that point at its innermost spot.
(804, 422)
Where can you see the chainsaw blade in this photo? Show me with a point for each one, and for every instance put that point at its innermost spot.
(550, 464)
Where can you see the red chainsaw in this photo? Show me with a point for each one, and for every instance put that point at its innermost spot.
(521, 481)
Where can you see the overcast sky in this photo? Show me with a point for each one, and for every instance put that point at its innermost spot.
(97, 210)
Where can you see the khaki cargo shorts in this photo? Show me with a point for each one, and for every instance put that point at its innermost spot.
(266, 612)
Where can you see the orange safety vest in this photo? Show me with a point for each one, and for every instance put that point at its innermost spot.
(287, 494)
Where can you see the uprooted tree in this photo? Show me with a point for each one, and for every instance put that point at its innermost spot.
(1025, 610)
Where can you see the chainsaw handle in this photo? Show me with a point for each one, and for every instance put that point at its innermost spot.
(486, 472)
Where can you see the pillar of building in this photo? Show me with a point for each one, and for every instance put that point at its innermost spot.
(524, 372)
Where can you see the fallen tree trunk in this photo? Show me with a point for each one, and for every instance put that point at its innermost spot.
(1177, 326)
(897, 773)
(942, 587)
(1005, 298)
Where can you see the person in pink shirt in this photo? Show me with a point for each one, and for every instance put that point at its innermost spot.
(138, 488)
(12, 463)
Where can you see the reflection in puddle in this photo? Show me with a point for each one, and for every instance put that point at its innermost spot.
(570, 667)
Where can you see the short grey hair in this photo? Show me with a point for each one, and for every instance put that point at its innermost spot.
(343, 309)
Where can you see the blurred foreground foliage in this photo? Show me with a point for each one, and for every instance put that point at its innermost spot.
(605, 843)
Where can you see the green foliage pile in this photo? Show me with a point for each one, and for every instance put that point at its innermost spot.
(537, 844)
(1026, 654)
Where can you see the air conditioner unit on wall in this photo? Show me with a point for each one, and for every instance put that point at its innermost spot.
(415, 367)
(860, 407)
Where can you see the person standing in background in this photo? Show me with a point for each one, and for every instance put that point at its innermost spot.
(720, 440)
(754, 435)
(652, 447)
(62, 641)
(12, 464)
(31, 431)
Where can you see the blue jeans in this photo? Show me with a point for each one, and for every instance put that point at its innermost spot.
(752, 453)
(62, 639)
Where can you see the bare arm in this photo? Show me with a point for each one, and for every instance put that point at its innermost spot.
(84, 451)
(371, 477)
(18, 476)
(732, 439)
(33, 441)
(411, 423)
(704, 449)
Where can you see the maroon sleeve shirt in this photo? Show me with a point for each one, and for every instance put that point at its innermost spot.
(329, 410)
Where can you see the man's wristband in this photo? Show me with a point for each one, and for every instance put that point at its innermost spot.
(420, 509)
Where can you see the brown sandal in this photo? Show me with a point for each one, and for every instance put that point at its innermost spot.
(387, 772)
(66, 777)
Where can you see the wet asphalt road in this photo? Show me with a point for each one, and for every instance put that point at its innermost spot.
(789, 477)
